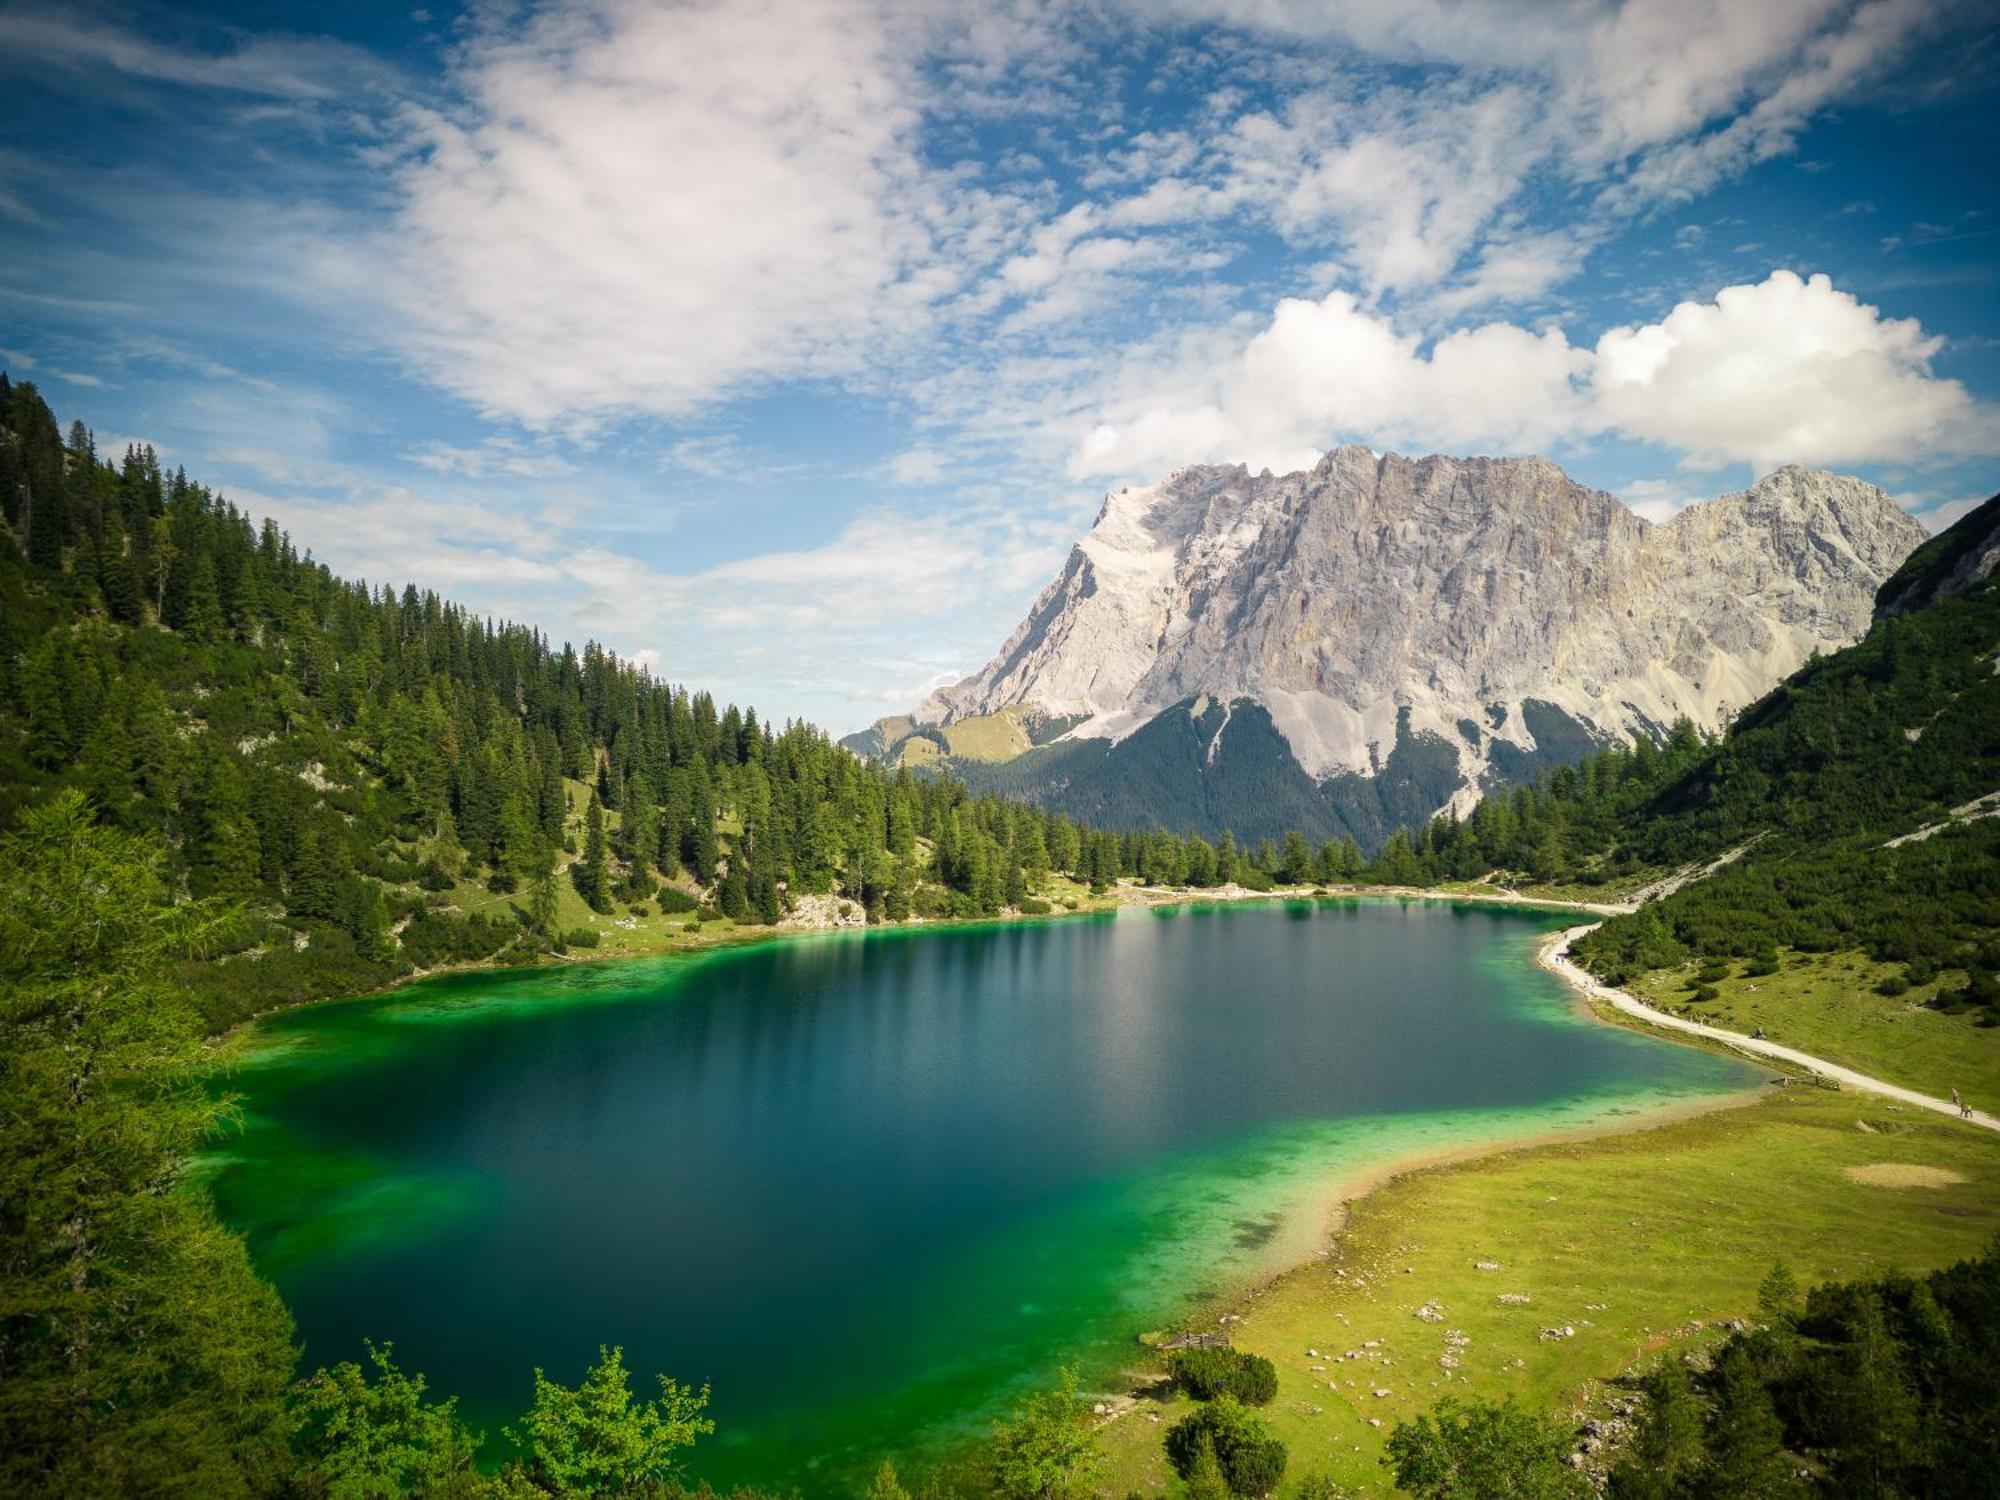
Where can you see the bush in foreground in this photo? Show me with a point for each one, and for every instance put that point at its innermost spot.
(1459, 1450)
(1047, 1450)
(1207, 1374)
(1251, 1459)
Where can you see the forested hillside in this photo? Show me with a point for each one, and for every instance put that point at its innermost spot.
(384, 781)
(1854, 792)
(360, 768)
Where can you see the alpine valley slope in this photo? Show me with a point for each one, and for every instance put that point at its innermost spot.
(1356, 647)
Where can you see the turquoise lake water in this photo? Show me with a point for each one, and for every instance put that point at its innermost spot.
(868, 1185)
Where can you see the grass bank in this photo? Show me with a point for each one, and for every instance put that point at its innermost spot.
(1828, 1004)
(1543, 1272)
(1547, 1271)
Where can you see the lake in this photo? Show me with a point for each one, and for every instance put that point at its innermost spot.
(870, 1184)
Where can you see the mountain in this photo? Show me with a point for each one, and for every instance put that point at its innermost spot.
(1853, 813)
(1955, 561)
(1355, 647)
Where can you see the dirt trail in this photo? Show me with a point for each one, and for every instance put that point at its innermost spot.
(1555, 956)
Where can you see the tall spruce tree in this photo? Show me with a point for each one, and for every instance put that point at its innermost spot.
(592, 872)
(138, 1352)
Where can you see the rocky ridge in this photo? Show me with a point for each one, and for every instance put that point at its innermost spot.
(1482, 604)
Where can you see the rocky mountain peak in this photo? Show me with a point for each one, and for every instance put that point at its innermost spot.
(1478, 605)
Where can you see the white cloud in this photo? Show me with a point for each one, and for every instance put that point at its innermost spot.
(495, 455)
(1938, 517)
(1657, 499)
(1403, 181)
(1636, 102)
(1829, 66)
(1328, 370)
(825, 628)
(639, 208)
(1786, 370)
(309, 69)
(918, 466)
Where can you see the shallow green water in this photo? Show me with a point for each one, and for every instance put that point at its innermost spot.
(868, 1184)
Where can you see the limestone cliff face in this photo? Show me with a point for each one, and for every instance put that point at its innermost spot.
(1377, 597)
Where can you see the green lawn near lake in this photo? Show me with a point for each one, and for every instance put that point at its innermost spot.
(1826, 1004)
(1633, 1243)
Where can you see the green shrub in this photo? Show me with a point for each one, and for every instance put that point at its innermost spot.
(433, 938)
(582, 937)
(1207, 1374)
(673, 899)
(1034, 906)
(1253, 1461)
(1457, 1450)
(1893, 986)
(1705, 993)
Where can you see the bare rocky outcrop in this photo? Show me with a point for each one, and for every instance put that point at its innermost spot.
(1466, 598)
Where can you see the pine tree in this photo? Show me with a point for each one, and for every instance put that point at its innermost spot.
(591, 873)
(639, 823)
(142, 1354)
(219, 839)
(313, 891)
(699, 850)
(369, 922)
(1746, 1443)
(1295, 865)
(542, 901)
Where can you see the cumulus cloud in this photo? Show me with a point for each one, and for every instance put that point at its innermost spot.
(1786, 370)
(1657, 499)
(1331, 369)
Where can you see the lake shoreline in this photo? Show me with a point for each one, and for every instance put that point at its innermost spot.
(1321, 1211)
(1125, 896)
(1346, 1189)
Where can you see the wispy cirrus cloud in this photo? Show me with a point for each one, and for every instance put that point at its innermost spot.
(293, 67)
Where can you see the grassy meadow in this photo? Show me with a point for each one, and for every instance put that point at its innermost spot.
(1828, 1004)
(1546, 1272)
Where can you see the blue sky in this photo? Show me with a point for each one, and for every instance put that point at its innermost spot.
(788, 344)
